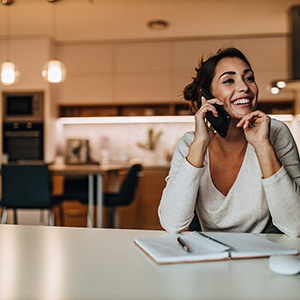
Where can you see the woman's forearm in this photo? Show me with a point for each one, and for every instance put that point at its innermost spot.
(268, 161)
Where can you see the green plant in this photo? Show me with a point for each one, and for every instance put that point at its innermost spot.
(152, 140)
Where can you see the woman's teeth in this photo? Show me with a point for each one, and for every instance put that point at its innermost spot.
(241, 101)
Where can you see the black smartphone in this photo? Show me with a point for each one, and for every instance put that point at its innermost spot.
(220, 123)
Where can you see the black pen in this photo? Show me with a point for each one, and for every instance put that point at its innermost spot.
(183, 244)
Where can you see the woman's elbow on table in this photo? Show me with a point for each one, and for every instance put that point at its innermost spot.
(293, 232)
(169, 225)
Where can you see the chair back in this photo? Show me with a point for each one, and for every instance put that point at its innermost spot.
(26, 186)
(76, 188)
(129, 185)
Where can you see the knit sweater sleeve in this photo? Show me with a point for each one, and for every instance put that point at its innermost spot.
(283, 188)
(177, 204)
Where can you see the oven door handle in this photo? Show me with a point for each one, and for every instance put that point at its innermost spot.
(22, 133)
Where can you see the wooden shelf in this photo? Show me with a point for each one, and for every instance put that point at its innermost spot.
(156, 109)
(143, 109)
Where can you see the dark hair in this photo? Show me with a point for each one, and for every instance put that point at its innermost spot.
(206, 72)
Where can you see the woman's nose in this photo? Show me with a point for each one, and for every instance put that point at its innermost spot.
(242, 86)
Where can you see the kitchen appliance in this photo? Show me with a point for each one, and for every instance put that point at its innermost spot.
(23, 107)
(77, 151)
(23, 141)
(23, 126)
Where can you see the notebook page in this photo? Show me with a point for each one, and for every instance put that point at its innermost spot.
(250, 245)
(166, 249)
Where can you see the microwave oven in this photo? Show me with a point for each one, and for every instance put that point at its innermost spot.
(23, 107)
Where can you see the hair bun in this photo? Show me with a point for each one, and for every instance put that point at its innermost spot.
(190, 92)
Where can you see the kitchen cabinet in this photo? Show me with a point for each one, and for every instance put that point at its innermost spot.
(141, 214)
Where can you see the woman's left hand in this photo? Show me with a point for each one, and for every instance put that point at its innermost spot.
(256, 127)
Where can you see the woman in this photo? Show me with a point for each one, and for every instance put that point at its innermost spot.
(248, 181)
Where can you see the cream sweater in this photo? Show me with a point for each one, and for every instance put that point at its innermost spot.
(251, 201)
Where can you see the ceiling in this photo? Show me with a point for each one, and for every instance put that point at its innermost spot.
(117, 20)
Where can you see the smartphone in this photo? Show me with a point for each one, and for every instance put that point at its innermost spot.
(220, 123)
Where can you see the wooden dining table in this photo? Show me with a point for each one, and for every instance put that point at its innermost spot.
(92, 170)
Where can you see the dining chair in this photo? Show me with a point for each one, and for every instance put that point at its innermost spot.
(26, 186)
(76, 188)
(124, 196)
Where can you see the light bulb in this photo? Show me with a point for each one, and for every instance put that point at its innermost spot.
(54, 71)
(281, 84)
(275, 90)
(9, 73)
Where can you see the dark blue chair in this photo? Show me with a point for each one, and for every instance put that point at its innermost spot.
(27, 186)
(76, 188)
(124, 196)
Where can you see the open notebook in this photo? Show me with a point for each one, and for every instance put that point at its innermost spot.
(209, 247)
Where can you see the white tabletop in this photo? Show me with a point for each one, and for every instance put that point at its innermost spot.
(39, 262)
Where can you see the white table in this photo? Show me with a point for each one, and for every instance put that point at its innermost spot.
(91, 171)
(39, 262)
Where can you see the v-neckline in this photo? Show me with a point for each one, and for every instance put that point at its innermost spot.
(237, 177)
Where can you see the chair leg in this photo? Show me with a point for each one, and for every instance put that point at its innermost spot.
(3, 216)
(116, 218)
(42, 219)
(112, 217)
(51, 218)
(61, 214)
(15, 216)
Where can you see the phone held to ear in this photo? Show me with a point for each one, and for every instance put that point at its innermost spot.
(220, 123)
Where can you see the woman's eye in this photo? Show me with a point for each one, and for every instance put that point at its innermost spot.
(250, 79)
(228, 81)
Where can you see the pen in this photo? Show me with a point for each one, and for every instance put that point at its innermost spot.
(183, 244)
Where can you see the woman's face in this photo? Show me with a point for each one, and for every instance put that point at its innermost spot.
(235, 86)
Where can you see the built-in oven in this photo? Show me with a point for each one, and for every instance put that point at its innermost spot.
(23, 141)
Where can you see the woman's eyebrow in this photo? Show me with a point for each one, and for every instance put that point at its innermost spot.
(234, 73)
(227, 73)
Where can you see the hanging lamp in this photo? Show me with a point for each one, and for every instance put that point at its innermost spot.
(9, 71)
(54, 71)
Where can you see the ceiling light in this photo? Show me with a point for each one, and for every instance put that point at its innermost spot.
(274, 90)
(9, 73)
(54, 71)
(158, 24)
(281, 84)
(289, 85)
(7, 2)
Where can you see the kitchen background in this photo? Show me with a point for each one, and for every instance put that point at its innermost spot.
(153, 71)
(132, 75)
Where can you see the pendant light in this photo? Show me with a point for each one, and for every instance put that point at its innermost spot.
(54, 71)
(9, 71)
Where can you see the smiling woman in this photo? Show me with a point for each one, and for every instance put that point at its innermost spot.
(247, 181)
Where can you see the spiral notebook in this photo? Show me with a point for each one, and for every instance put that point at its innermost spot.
(209, 247)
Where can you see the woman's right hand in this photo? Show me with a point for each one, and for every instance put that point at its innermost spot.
(202, 129)
(203, 133)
